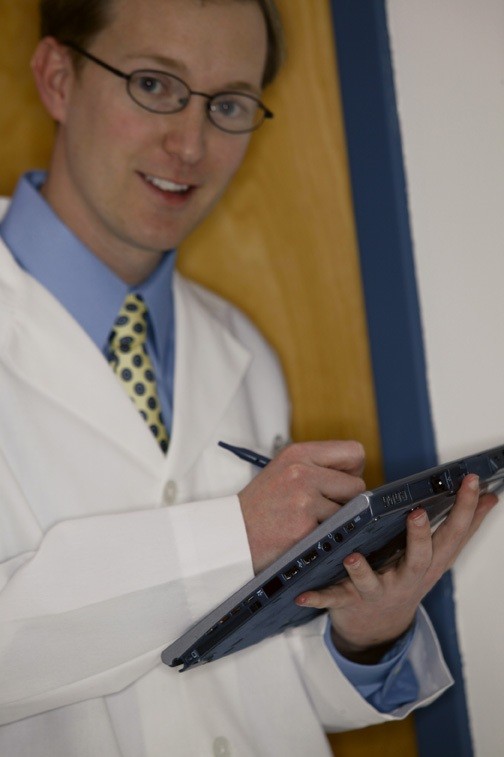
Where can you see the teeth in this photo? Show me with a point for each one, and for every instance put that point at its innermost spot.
(167, 186)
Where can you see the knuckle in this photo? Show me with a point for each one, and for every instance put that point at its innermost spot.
(285, 453)
(295, 472)
(292, 455)
(457, 531)
(421, 536)
(302, 511)
(420, 565)
(458, 536)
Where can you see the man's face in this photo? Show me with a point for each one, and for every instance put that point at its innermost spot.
(131, 183)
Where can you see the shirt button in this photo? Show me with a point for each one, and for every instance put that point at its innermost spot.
(221, 747)
(278, 444)
(170, 493)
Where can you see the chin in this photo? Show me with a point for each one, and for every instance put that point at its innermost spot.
(155, 243)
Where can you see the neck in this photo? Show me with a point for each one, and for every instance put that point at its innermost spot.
(131, 262)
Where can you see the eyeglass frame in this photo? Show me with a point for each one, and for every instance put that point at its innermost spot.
(266, 112)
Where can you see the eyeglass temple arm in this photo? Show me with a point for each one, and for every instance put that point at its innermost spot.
(99, 62)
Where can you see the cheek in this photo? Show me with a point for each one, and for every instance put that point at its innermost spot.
(104, 131)
(230, 155)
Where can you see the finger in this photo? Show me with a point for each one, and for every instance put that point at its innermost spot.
(331, 598)
(362, 582)
(363, 578)
(462, 513)
(306, 482)
(337, 486)
(419, 547)
(347, 456)
(340, 487)
(455, 529)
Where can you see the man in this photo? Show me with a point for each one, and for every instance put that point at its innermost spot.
(111, 546)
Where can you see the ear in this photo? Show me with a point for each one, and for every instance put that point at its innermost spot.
(54, 74)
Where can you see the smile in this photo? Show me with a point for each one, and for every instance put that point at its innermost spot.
(167, 186)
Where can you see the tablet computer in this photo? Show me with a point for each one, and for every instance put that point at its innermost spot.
(372, 523)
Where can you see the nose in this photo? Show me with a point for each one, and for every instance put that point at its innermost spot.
(185, 132)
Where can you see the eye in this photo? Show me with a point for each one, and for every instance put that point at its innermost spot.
(150, 84)
(228, 108)
(157, 91)
(233, 107)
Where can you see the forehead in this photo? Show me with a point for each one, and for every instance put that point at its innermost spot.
(218, 38)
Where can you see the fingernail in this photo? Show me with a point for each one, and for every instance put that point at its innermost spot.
(353, 561)
(474, 484)
(301, 600)
(419, 518)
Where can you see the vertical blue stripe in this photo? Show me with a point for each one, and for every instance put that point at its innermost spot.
(394, 325)
(381, 212)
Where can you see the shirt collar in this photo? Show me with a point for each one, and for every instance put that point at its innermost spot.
(86, 287)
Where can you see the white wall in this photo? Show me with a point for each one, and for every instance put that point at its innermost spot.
(448, 58)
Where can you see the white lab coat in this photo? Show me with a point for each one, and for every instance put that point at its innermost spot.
(109, 549)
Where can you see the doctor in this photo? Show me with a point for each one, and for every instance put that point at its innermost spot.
(116, 533)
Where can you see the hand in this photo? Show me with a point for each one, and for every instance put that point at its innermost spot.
(370, 609)
(302, 486)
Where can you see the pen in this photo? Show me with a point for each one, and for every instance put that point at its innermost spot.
(247, 454)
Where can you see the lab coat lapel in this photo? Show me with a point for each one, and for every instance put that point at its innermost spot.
(46, 348)
(210, 366)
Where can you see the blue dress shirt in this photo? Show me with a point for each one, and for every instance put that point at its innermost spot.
(93, 295)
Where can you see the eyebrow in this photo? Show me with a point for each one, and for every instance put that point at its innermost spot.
(181, 69)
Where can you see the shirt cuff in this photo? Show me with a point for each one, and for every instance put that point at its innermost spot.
(389, 684)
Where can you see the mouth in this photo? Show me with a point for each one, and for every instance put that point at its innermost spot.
(166, 186)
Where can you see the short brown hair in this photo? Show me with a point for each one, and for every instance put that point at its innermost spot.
(79, 21)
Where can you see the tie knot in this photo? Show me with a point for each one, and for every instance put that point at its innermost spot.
(130, 326)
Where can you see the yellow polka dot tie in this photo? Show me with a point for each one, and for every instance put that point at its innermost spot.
(131, 363)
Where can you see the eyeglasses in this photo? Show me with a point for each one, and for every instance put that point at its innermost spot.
(160, 92)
